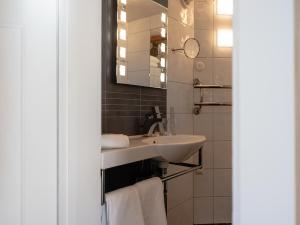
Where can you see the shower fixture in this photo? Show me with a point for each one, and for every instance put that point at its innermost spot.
(185, 3)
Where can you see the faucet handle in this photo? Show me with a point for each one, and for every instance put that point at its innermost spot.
(157, 112)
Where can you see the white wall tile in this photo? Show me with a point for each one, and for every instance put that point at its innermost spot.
(180, 68)
(182, 214)
(180, 96)
(184, 124)
(139, 41)
(178, 33)
(222, 182)
(181, 14)
(222, 157)
(138, 61)
(222, 71)
(203, 210)
(207, 155)
(222, 126)
(203, 183)
(139, 25)
(205, 38)
(203, 70)
(222, 209)
(204, 14)
(179, 189)
(222, 95)
(203, 125)
(155, 21)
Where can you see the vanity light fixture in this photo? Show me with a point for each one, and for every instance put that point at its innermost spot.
(163, 48)
(163, 32)
(124, 2)
(123, 16)
(122, 52)
(163, 18)
(163, 62)
(224, 38)
(122, 70)
(122, 34)
(162, 77)
(225, 7)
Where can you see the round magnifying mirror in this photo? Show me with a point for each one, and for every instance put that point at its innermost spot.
(191, 48)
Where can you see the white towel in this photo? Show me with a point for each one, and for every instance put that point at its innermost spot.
(152, 200)
(124, 207)
(112, 141)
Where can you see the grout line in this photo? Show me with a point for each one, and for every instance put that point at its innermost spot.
(180, 203)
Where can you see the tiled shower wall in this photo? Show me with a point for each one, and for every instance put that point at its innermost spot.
(204, 198)
(212, 188)
(180, 97)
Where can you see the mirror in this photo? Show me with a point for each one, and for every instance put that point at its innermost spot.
(191, 48)
(142, 43)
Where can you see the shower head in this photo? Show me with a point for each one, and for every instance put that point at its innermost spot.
(185, 3)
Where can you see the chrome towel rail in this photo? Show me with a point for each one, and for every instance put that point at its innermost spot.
(164, 178)
(213, 104)
(212, 86)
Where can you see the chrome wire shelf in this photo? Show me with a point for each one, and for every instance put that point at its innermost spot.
(200, 86)
(213, 104)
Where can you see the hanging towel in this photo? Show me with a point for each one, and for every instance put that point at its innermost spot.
(112, 141)
(124, 207)
(152, 200)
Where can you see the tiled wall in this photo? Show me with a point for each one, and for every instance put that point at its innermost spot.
(212, 188)
(180, 97)
(124, 106)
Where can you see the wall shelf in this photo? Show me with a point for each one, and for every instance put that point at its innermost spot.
(200, 86)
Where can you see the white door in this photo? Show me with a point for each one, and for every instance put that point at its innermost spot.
(28, 112)
(50, 112)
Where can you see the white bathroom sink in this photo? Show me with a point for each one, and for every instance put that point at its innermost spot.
(176, 148)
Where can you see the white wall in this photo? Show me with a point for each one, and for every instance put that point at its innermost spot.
(80, 89)
(297, 92)
(264, 113)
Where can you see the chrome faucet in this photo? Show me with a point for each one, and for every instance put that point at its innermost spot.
(159, 122)
(160, 127)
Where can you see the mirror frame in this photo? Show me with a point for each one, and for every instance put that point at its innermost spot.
(109, 40)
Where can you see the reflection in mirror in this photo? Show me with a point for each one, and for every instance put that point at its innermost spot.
(142, 43)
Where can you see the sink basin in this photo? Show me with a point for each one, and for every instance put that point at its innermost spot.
(176, 148)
